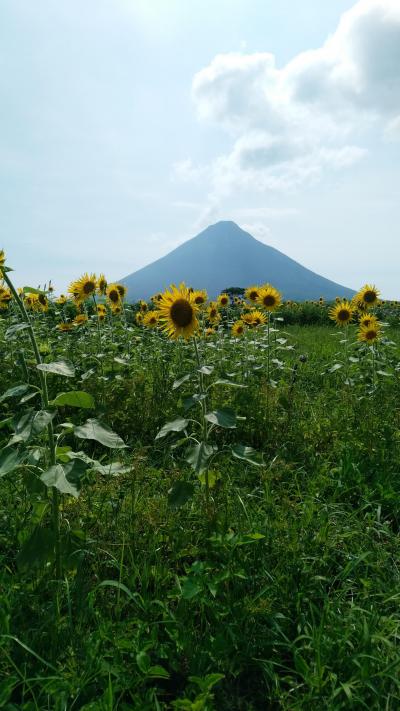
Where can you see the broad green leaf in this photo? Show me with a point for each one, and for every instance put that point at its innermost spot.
(190, 589)
(30, 424)
(224, 381)
(56, 476)
(93, 429)
(74, 398)
(16, 328)
(177, 383)
(212, 478)
(206, 369)
(157, 672)
(32, 290)
(335, 367)
(143, 661)
(16, 391)
(382, 372)
(240, 451)
(225, 417)
(174, 426)
(180, 493)
(60, 367)
(199, 455)
(188, 402)
(9, 460)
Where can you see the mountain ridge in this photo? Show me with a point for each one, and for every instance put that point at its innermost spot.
(224, 255)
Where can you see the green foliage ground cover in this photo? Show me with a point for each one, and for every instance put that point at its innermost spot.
(281, 591)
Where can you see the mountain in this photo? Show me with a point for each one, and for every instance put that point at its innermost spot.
(224, 255)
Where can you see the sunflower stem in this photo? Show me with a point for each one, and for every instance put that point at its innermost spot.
(203, 404)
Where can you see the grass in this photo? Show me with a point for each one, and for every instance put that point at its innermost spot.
(285, 595)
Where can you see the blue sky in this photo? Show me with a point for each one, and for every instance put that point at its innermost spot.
(127, 126)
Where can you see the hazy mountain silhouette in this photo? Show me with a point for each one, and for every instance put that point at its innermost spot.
(224, 255)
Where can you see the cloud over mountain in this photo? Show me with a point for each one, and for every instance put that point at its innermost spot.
(289, 124)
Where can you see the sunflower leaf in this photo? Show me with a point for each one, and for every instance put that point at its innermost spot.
(56, 476)
(199, 455)
(206, 369)
(225, 417)
(240, 451)
(93, 429)
(16, 328)
(177, 383)
(177, 425)
(180, 493)
(60, 367)
(74, 398)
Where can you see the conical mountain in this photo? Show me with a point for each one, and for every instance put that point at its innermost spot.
(224, 256)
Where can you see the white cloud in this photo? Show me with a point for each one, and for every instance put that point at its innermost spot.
(289, 124)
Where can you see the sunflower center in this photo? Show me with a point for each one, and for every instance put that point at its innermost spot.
(269, 300)
(181, 313)
(199, 300)
(343, 315)
(114, 296)
(370, 335)
(369, 297)
(253, 295)
(89, 287)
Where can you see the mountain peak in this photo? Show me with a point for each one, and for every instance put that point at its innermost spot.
(224, 255)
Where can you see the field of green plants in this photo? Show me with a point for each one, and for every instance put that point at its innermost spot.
(199, 506)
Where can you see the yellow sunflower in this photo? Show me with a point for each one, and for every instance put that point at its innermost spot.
(223, 300)
(139, 318)
(252, 293)
(61, 300)
(64, 326)
(101, 285)
(177, 312)
(269, 298)
(30, 300)
(80, 319)
(101, 309)
(248, 318)
(259, 319)
(83, 288)
(367, 320)
(2, 257)
(101, 316)
(209, 332)
(369, 334)
(117, 309)
(341, 313)
(143, 306)
(212, 313)
(113, 295)
(42, 302)
(238, 329)
(150, 319)
(367, 297)
(200, 297)
(122, 290)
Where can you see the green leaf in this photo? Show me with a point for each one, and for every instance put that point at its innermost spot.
(157, 672)
(335, 367)
(177, 383)
(240, 451)
(143, 661)
(190, 589)
(382, 372)
(56, 476)
(206, 369)
(60, 367)
(9, 460)
(93, 429)
(74, 398)
(199, 455)
(38, 549)
(32, 290)
(16, 391)
(174, 426)
(16, 328)
(225, 417)
(224, 381)
(180, 493)
(30, 424)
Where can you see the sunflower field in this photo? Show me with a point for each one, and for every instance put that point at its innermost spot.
(199, 500)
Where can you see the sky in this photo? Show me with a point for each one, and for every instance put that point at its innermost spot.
(128, 126)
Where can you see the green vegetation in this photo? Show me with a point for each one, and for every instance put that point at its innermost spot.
(191, 528)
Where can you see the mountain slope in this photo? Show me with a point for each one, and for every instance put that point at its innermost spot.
(224, 255)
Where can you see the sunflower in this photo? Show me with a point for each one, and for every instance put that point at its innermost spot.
(212, 313)
(122, 290)
(139, 318)
(113, 294)
(2, 258)
(83, 288)
(42, 302)
(101, 316)
(101, 309)
(342, 313)
(30, 300)
(248, 319)
(117, 309)
(177, 312)
(5, 295)
(51, 288)
(223, 300)
(61, 300)
(200, 297)
(259, 319)
(269, 298)
(101, 285)
(143, 306)
(367, 320)
(238, 329)
(252, 293)
(367, 297)
(150, 319)
(80, 319)
(209, 332)
(369, 334)
(156, 297)
(64, 326)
